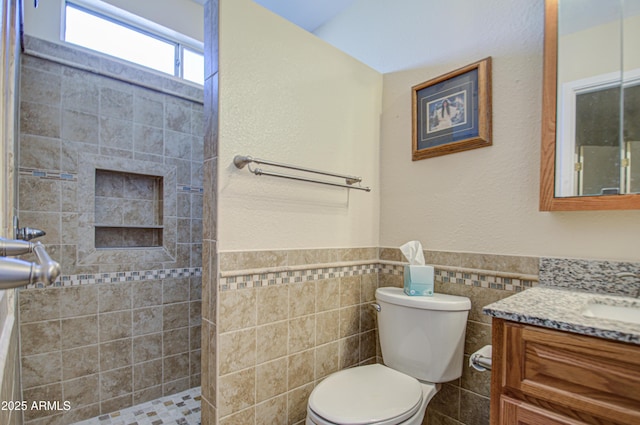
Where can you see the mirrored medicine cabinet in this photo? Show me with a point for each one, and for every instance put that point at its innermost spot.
(591, 105)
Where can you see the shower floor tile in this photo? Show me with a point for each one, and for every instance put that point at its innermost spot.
(178, 409)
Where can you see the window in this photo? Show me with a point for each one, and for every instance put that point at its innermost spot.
(192, 66)
(104, 34)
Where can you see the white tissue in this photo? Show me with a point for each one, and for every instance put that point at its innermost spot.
(413, 253)
(485, 353)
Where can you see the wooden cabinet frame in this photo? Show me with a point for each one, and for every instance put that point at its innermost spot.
(581, 378)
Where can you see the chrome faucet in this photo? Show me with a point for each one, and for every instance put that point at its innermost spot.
(15, 273)
(13, 247)
(26, 233)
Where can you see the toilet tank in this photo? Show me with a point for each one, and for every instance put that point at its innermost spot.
(422, 336)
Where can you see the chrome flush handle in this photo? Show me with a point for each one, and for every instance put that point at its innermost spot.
(376, 306)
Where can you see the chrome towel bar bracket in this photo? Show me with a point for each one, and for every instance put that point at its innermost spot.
(240, 161)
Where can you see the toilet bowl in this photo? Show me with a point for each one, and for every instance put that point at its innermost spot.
(422, 342)
(372, 394)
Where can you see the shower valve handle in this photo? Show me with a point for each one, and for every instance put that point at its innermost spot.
(15, 273)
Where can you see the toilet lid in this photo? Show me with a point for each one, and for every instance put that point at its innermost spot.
(366, 395)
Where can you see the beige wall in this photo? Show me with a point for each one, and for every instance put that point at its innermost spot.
(289, 97)
(484, 200)
(183, 16)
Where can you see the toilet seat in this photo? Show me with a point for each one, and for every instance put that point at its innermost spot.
(372, 394)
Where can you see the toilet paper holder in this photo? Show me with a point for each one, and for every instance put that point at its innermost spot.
(481, 359)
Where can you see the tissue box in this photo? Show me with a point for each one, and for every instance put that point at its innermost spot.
(418, 280)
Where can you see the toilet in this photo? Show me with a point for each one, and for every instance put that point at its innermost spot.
(422, 341)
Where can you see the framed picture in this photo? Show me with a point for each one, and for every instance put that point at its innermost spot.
(452, 113)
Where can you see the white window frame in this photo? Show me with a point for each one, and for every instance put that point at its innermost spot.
(134, 22)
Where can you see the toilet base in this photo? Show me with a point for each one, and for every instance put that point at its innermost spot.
(428, 391)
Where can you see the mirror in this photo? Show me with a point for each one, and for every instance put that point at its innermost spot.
(591, 105)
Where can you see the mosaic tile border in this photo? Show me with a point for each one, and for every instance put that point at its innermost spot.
(61, 175)
(478, 278)
(190, 189)
(485, 281)
(48, 175)
(256, 280)
(115, 277)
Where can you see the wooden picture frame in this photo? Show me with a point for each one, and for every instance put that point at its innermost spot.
(452, 113)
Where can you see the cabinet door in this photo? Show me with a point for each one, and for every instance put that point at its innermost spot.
(515, 412)
(585, 374)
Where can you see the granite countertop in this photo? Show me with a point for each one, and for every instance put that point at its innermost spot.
(562, 309)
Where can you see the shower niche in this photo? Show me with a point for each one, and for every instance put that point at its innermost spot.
(128, 210)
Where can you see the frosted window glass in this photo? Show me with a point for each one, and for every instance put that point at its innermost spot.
(193, 66)
(96, 33)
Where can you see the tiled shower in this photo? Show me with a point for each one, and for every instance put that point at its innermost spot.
(110, 166)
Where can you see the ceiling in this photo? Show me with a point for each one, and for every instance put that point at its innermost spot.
(312, 14)
(307, 14)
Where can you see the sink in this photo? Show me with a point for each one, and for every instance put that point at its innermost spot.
(623, 312)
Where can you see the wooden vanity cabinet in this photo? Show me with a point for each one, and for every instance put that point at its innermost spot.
(542, 376)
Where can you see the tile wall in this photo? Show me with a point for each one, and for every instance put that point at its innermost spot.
(210, 218)
(286, 319)
(279, 333)
(73, 121)
(122, 325)
(104, 347)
